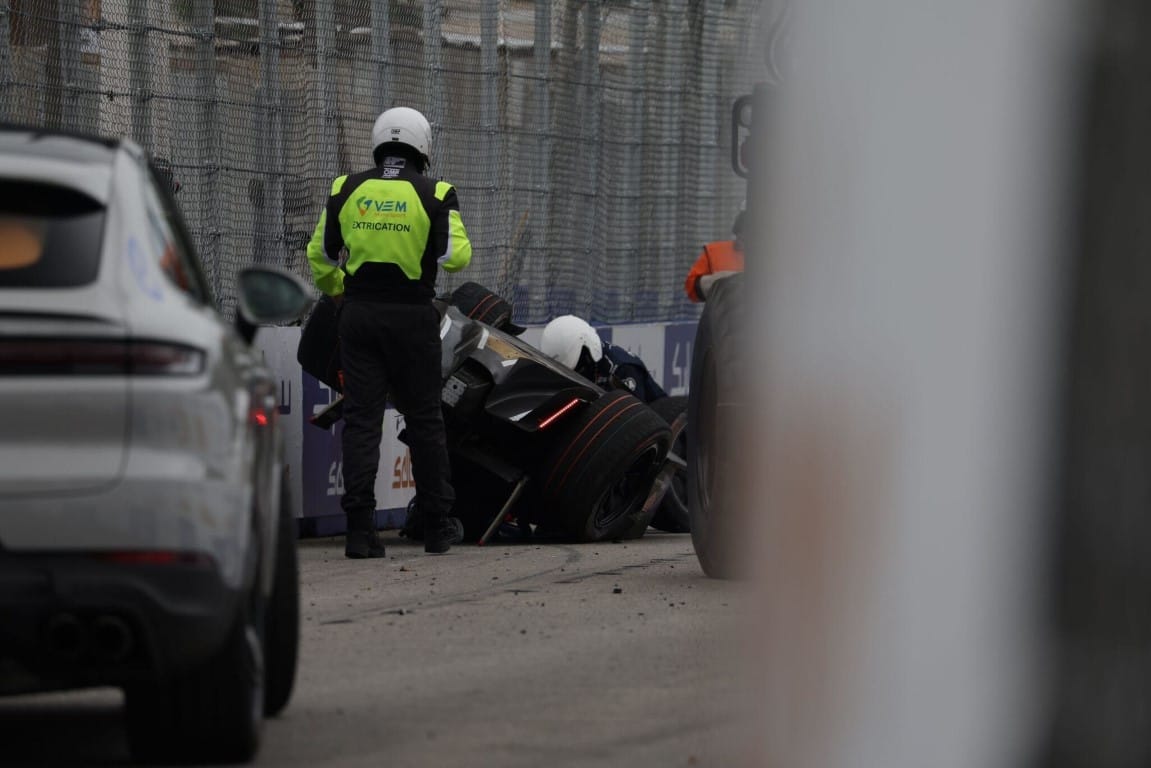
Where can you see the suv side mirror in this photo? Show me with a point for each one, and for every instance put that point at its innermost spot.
(269, 296)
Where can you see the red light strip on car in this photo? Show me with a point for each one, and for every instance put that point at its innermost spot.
(97, 357)
(559, 413)
(154, 557)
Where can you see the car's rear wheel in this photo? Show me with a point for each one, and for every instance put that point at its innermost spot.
(672, 514)
(596, 480)
(212, 714)
(714, 412)
(282, 621)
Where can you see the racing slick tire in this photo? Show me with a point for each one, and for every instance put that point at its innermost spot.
(212, 714)
(672, 515)
(282, 619)
(596, 480)
(485, 306)
(714, 412)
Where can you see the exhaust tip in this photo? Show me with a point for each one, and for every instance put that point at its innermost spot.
(65, 635)
(111, 638)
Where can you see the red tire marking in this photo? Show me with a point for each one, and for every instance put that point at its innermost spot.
(587, 445)
(563, 457)
(476, 309)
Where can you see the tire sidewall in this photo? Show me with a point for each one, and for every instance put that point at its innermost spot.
(282, 620)
(712, 480)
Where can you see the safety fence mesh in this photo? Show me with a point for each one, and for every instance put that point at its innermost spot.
(589, 140)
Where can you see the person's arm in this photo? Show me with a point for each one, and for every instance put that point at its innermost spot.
(627, 371)
(652, 390)
(457, 250)
(701, 267)
(324, 248)
(705, 282)
(635, 376)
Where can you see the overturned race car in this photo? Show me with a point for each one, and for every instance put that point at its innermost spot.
(536, 449)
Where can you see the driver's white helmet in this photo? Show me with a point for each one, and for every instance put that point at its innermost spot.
(565, 337)
(406, 126)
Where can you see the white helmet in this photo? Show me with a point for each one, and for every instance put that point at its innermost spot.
(566, 337)
(404, 125)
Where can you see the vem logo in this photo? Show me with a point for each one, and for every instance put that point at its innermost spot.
(367, 205)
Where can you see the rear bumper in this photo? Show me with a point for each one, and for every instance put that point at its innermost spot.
(69, 621)
(173, 508)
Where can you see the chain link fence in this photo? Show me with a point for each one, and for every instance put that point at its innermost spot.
(589, 140)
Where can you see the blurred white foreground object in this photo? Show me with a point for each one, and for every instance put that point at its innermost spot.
(907, 293)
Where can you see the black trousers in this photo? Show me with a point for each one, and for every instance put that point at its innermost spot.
(392, 349)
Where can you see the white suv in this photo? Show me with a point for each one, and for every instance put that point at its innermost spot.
(145, 538)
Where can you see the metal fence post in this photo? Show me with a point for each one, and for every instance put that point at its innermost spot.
(206, 154)
(709, 163)
(269, 218)
(535, 273)
(489, 68)
(326, 158)
(494, 231)
(63, 66)
(592, 130)
(433, 64)
(564, 251)
(381, 54)
(671, 119)
(7, 78)
(632, 221)
(140, 73)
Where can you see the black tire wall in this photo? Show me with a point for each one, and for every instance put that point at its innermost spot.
(714, 410)
(282, 619)
(612, 451)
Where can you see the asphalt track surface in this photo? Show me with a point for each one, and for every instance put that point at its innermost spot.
(527, 654)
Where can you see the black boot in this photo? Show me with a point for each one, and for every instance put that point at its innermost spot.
(362, 540)
(439, 537)
(361, 544)
(413, 529)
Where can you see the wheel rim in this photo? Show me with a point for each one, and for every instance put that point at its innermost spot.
(629, 491)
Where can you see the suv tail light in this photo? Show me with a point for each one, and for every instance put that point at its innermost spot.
(154, 557)
(97, 357)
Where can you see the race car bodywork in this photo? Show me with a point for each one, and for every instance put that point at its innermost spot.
(529, 438)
